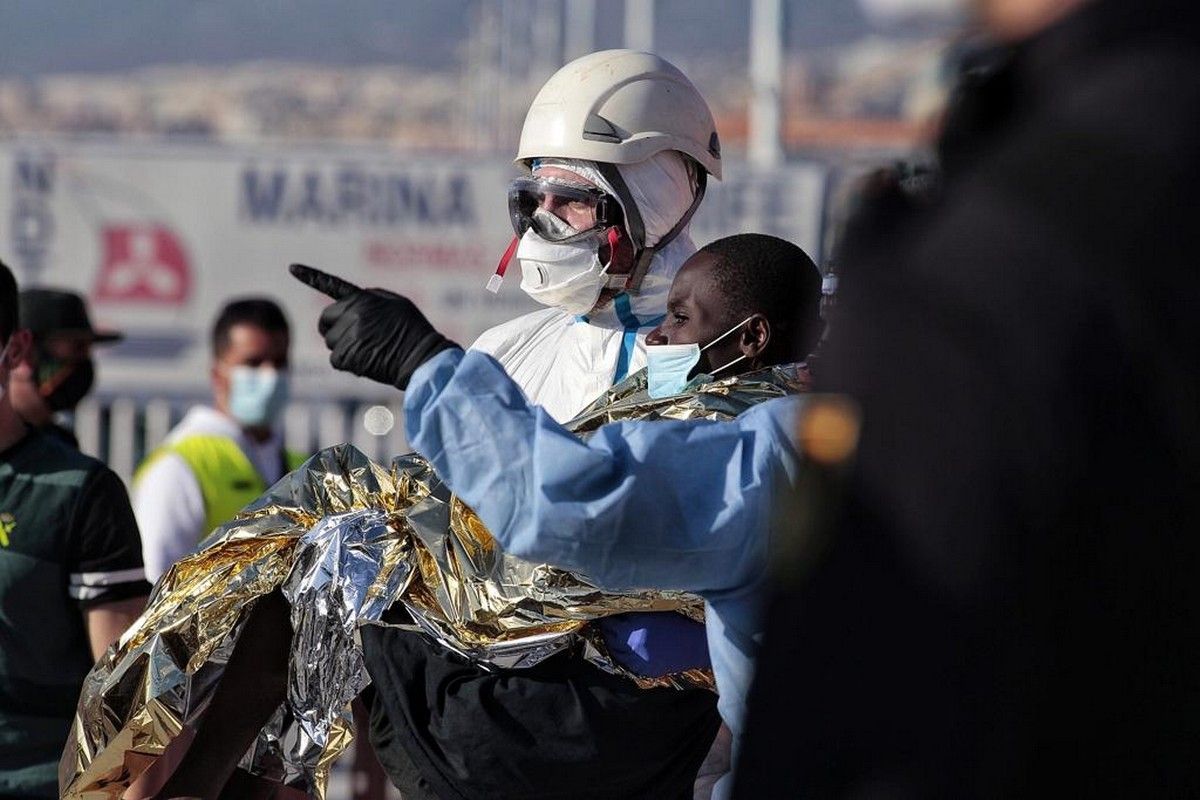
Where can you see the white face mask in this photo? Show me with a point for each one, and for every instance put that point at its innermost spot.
(257, 395)
(669, 366)
(566, 276)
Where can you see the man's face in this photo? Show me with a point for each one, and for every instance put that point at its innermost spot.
(249, 346)
(697, 314)
(59, 354)
(579, 216)
(583, 217)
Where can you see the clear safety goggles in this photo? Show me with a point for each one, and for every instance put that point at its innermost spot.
(559, 212)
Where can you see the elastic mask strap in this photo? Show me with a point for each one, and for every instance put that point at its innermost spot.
(713, 374)
(726, 333)
(742, 357)
(493, 284)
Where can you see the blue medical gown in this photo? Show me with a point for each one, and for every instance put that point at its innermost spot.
(663, 504)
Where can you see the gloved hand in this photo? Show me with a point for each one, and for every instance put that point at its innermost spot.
(373, 332)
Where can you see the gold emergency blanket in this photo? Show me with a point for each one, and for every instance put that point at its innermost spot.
(345, 539)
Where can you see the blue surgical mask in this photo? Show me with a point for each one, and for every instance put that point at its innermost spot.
(257, 395)
(669, 366)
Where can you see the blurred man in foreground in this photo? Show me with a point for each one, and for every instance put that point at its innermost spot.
(71, 578)
(1007, 606)
(59, 372)
(220, 457)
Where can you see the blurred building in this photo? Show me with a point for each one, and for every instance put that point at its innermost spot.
(872, 92)
(159, 183)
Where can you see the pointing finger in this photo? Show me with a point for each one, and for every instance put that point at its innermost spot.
(323, 282)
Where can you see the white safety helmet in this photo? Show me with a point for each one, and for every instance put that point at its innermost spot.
(620, 107)
(623, 107)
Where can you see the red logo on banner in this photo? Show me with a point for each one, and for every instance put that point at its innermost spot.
(143, 262)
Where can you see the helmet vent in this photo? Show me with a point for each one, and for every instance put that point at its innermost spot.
(714, 145)
(598, 129)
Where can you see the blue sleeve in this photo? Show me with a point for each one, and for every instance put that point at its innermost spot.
(653, 644)
(664, 504)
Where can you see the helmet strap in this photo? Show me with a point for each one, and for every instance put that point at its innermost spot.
(633, 217)
(633, 221)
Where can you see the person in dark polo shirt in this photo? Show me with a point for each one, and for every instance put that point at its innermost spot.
(71, 577)
(58, 372)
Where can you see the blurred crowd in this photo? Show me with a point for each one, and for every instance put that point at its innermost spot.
(956, 560)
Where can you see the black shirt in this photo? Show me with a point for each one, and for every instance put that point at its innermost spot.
(68, 541)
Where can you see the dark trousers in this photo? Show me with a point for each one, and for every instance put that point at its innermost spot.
(446, 729)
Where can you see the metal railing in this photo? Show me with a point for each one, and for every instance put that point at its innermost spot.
(121, 429)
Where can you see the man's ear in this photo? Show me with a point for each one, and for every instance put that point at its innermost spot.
(20, 348)
(220, 385)
(756, 337)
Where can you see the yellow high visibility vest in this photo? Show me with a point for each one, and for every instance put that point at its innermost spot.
(228, 481)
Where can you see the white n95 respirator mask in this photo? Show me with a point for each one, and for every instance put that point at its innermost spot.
(568, 276)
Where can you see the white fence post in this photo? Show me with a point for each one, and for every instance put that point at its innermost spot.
(158, 423)
(397, 439)
(331, 425)
(121, 437)
(87, 427)
(360, 437)
(297, 429)
(133, 428)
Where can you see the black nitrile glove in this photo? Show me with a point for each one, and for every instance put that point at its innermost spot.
(373, 332)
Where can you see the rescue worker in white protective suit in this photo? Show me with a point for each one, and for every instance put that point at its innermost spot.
(620, 146)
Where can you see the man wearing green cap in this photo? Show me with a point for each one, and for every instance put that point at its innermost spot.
(58, 372)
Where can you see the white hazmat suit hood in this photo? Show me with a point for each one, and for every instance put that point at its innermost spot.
(563, 361)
